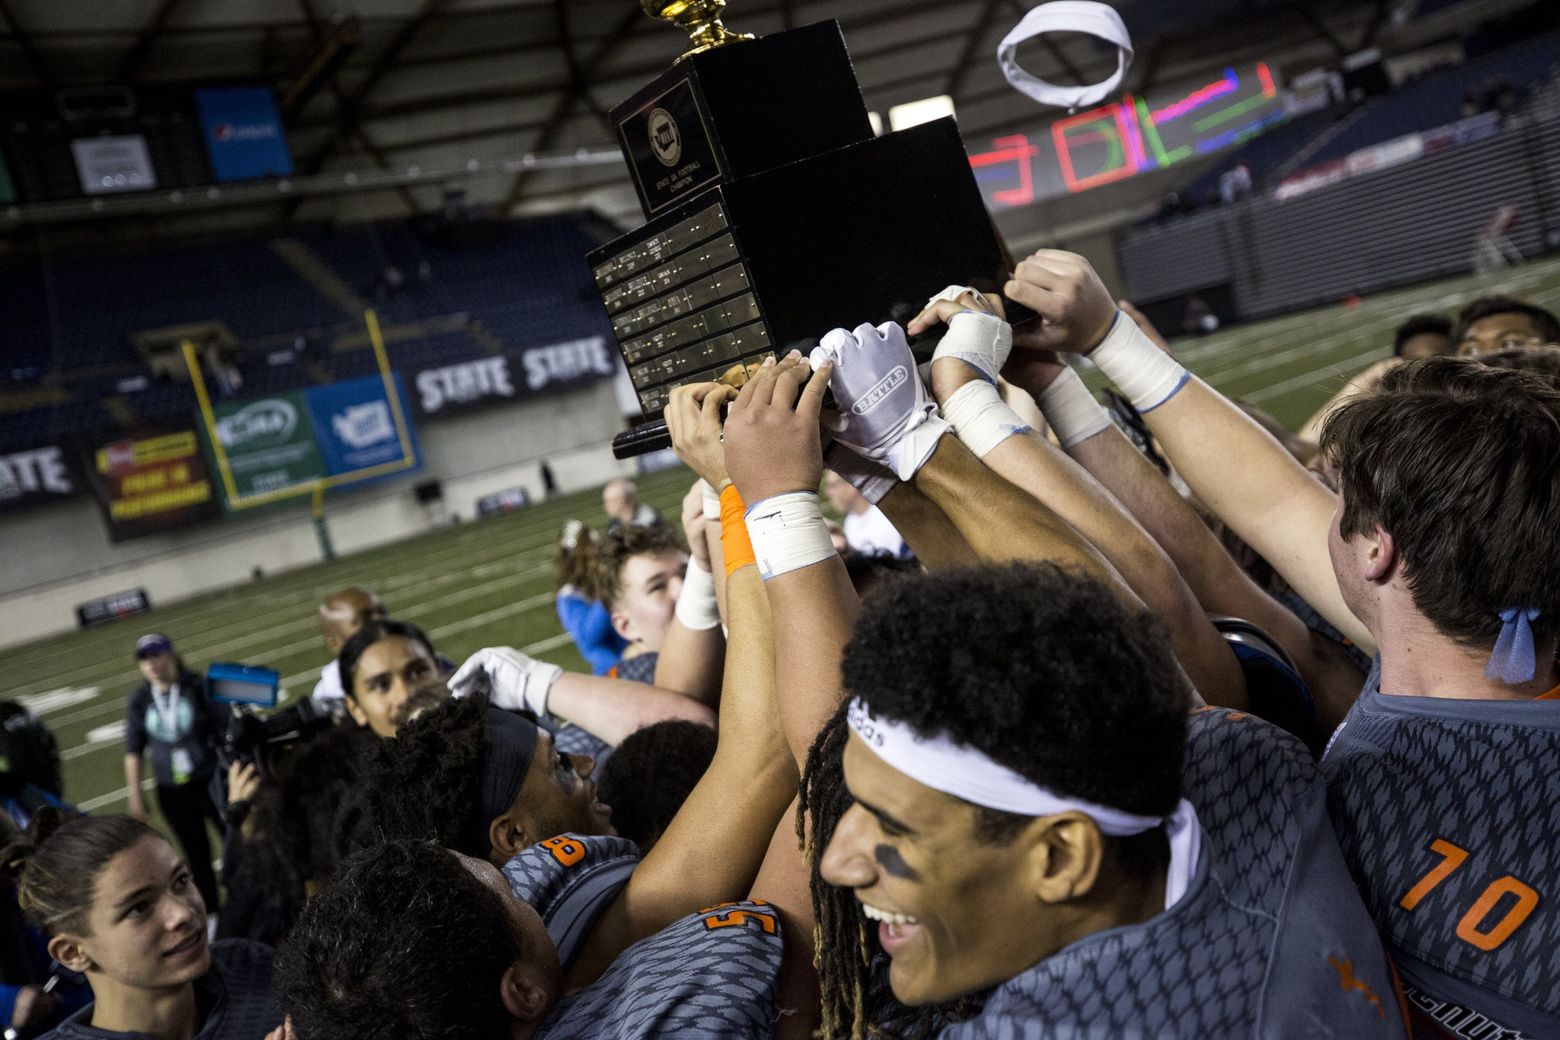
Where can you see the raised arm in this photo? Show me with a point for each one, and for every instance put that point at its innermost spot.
(712, 850)
(607, 708)
(694, 652)
(1234, 466)
(1221, 586)
(963, 374)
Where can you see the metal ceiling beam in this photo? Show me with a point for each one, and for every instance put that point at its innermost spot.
(347, 127)
(352, 105)
(330, 52)
(131, 62)
(24, 43)
(1315, 21)
(961, 67)
(580, 74)
(636, 73)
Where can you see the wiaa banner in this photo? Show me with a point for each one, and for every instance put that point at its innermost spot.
(277, 448)
(152, 484)
(269, 445)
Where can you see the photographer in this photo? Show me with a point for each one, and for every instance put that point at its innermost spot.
(171, 719)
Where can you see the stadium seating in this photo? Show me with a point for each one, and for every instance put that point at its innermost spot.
(463, 289)
(1436, 98)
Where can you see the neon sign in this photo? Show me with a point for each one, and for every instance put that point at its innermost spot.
(1128, 137)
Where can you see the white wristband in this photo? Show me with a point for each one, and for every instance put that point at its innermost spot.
(788, 533)
(710, 500)
(981, 418)
(696, 607)
(1071, 410)
(915, 447)
(1146, 375)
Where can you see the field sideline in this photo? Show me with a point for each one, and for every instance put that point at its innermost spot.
(489, 582)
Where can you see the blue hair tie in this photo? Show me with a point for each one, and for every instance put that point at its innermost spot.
(1514, 659)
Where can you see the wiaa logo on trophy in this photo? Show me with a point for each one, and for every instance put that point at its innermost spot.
(665, 139)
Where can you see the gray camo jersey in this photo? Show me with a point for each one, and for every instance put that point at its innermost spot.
(1270, 942)
(1448, 812)
(713, 974)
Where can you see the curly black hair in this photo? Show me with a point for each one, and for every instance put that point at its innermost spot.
(650, 775)
(1085, 687)
(867, 570)
(426, 784)
(405, 942)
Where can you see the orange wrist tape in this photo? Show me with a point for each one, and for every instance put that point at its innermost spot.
(735, 545)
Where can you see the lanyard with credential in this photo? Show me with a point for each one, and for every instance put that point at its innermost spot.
(168, 711)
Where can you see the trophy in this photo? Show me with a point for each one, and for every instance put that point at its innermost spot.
(773, 212)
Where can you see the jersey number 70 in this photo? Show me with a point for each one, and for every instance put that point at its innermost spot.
(1471, 928)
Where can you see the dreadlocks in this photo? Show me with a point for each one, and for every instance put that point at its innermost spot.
(856, 1003)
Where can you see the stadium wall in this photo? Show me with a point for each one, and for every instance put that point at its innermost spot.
(59, 556)
(1402, 226)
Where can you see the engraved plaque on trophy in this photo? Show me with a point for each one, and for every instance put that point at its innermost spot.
(774, 213)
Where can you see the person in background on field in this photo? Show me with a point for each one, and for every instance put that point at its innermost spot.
(340, 616)
(172, 720)
(620, 501)
(580, 611)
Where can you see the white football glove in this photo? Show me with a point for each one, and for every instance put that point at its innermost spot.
(510, 679)
(884, 412)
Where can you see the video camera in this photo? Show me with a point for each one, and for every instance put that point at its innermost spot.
(251, 734)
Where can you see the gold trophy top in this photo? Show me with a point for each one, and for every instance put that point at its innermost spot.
(700, 19)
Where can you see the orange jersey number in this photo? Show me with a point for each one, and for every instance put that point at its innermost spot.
(1471, 929)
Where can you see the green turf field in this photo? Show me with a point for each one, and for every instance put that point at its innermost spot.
(488, 582)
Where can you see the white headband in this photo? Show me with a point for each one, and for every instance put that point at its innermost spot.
(1081, 16)
(965, 773)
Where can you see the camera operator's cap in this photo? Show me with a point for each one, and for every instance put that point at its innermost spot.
(1078, 16)
(152, 644)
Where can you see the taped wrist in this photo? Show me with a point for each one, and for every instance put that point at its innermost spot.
(1071, 410)
(1145, 374)
(709, 501)
(735, 546)
(911, 451)
(982, 341)
(981, 418)
(696, 607)
(788, 533)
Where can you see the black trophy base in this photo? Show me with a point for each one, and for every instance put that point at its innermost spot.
(772, 262)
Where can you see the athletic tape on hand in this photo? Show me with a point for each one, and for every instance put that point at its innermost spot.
(1145, 374)
(788, 533)
(980, 418)
(696, 606)
(1079, 16)
(982, 341)
(1071, 410)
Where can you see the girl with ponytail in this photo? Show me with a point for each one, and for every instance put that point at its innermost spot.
(119, 906)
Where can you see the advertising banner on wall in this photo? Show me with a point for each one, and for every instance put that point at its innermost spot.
(269, 444)
(38, 475)
(518, 373)
(243, 131)
(152, 484)
(360, 427)
(111, 164)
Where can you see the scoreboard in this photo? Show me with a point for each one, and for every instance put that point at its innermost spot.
(1136, 134)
